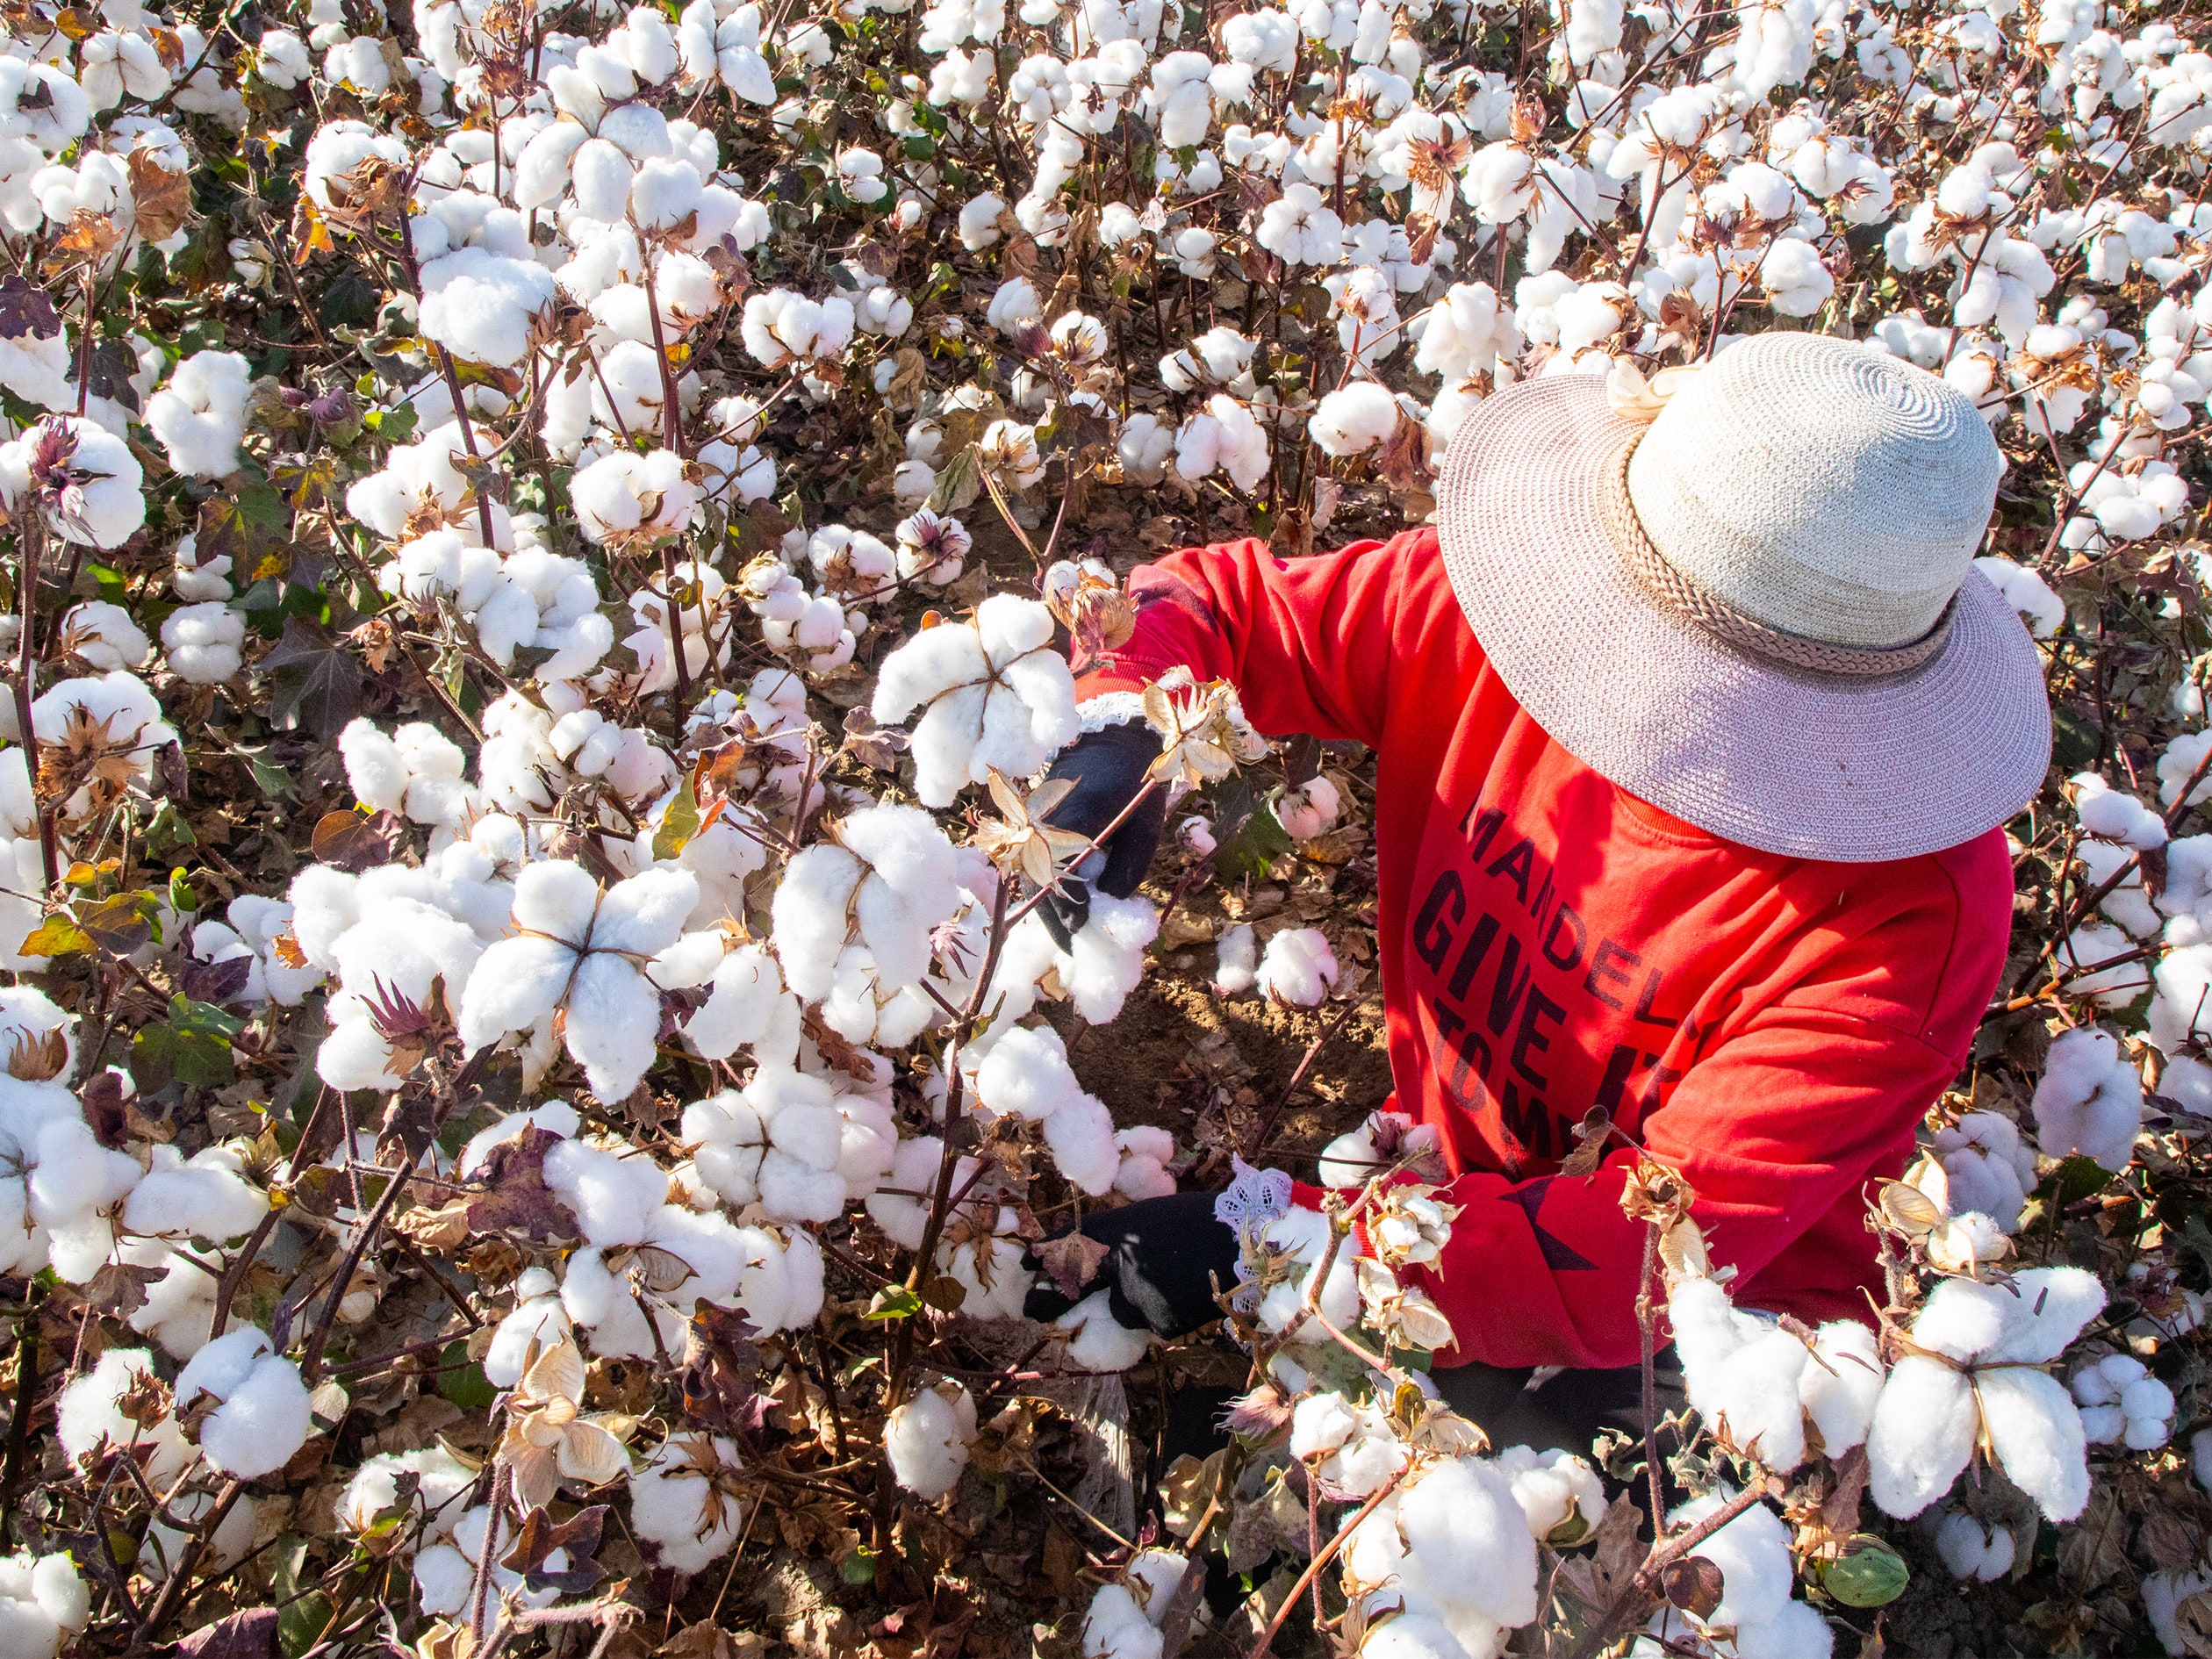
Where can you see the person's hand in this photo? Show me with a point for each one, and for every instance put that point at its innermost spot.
(1163, 1258)
(1108, 769)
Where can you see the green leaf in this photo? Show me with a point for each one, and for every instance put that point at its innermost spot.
(109, 580)
(1257, 843)
(2076, 1179)
(679, 824)
(300, 1622)
(271, 779)
(894, 1301)
(858, 1567)
(462, 1380)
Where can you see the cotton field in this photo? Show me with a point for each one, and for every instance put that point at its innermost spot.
(548, 1045)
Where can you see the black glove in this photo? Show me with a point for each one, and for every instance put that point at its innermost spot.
(1109, 769)
(1165, 1256)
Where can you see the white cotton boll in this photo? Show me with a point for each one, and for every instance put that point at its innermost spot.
(1298, 969)
(105, 635)
(926, 1438)
(1145, 1153)
(2089, 946)
(1355, 418)
(2090, 1099)
(1753, 1553)
(1986, 1167)
(1553, 1488)
(1351, 1447)
(1308, 810)
(1097, 1341)
(105, 506)
(1081, 1138)
(1236, 959)
(375, 767)
(263, 1417)
(480, 305)
(2028, 593)
(40, 1598)
(614, 1199)
(1840, 1386)
(87, 1418)
(440, 1478)
(1305, 1234)
(2035, 1430)
(1467, 1546)
(1109, 955)
(2111, 815)
(1972, 1550)
(2121, 1402)
(205, 1196)
(1411, 1635)
(1741, 1376)
(1922, 1434)
(200, 415)
(676, 1504)
(1118, 1628)
(204, 643)
(539, 1318)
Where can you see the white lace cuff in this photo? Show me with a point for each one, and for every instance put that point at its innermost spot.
(1254, 1198)
(1109, 708)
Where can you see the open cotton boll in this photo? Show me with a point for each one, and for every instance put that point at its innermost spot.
(1350, 1445)
(746, 1003)
(995, 694)
(1308, 810)
(926, 1438)
(1355, 418)
(105, 635)
(2112, 816)
(42, 1597)
(2122, 1404)
(104, 506)
(1304, 1235)
(2028, 593)
(1145, 1152)
(1460, 1552)
(680, 1500)
(1973, 1550)
(2090, 1099)
(204, 643)
(1116, 1626)
(206, 1196)
(1558, 1492)
(262, 1418)
(1298, 968)
(1753, 1553)
(1987, 1169)
(1097, 1341)
(1741, 1374)
(445, 1574)
(538, 1318)
(479, 304)
(1840, 1386)
(440, 1480)
(87, 1418)
(233, 1536)
(200, 415)
(2163, 1594)
(1236, 959)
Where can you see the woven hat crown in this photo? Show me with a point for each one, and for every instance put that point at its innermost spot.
(1819, 487)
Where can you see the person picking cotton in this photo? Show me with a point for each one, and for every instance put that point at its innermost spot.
(1696, 727)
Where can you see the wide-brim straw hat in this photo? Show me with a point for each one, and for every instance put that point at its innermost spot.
(1757, 609)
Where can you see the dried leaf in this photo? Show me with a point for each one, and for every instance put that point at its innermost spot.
(1693, 1584)
(1072, 1260)
(353, 841)
(515, 1197)
(26, 313)
(251, 1635)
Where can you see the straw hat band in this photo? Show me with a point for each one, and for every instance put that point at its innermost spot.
(1676, 591)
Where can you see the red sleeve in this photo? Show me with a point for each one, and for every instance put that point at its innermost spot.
(1307, 643)
(1773, 1130)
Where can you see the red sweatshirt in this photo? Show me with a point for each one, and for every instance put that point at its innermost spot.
(1773, 1027)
